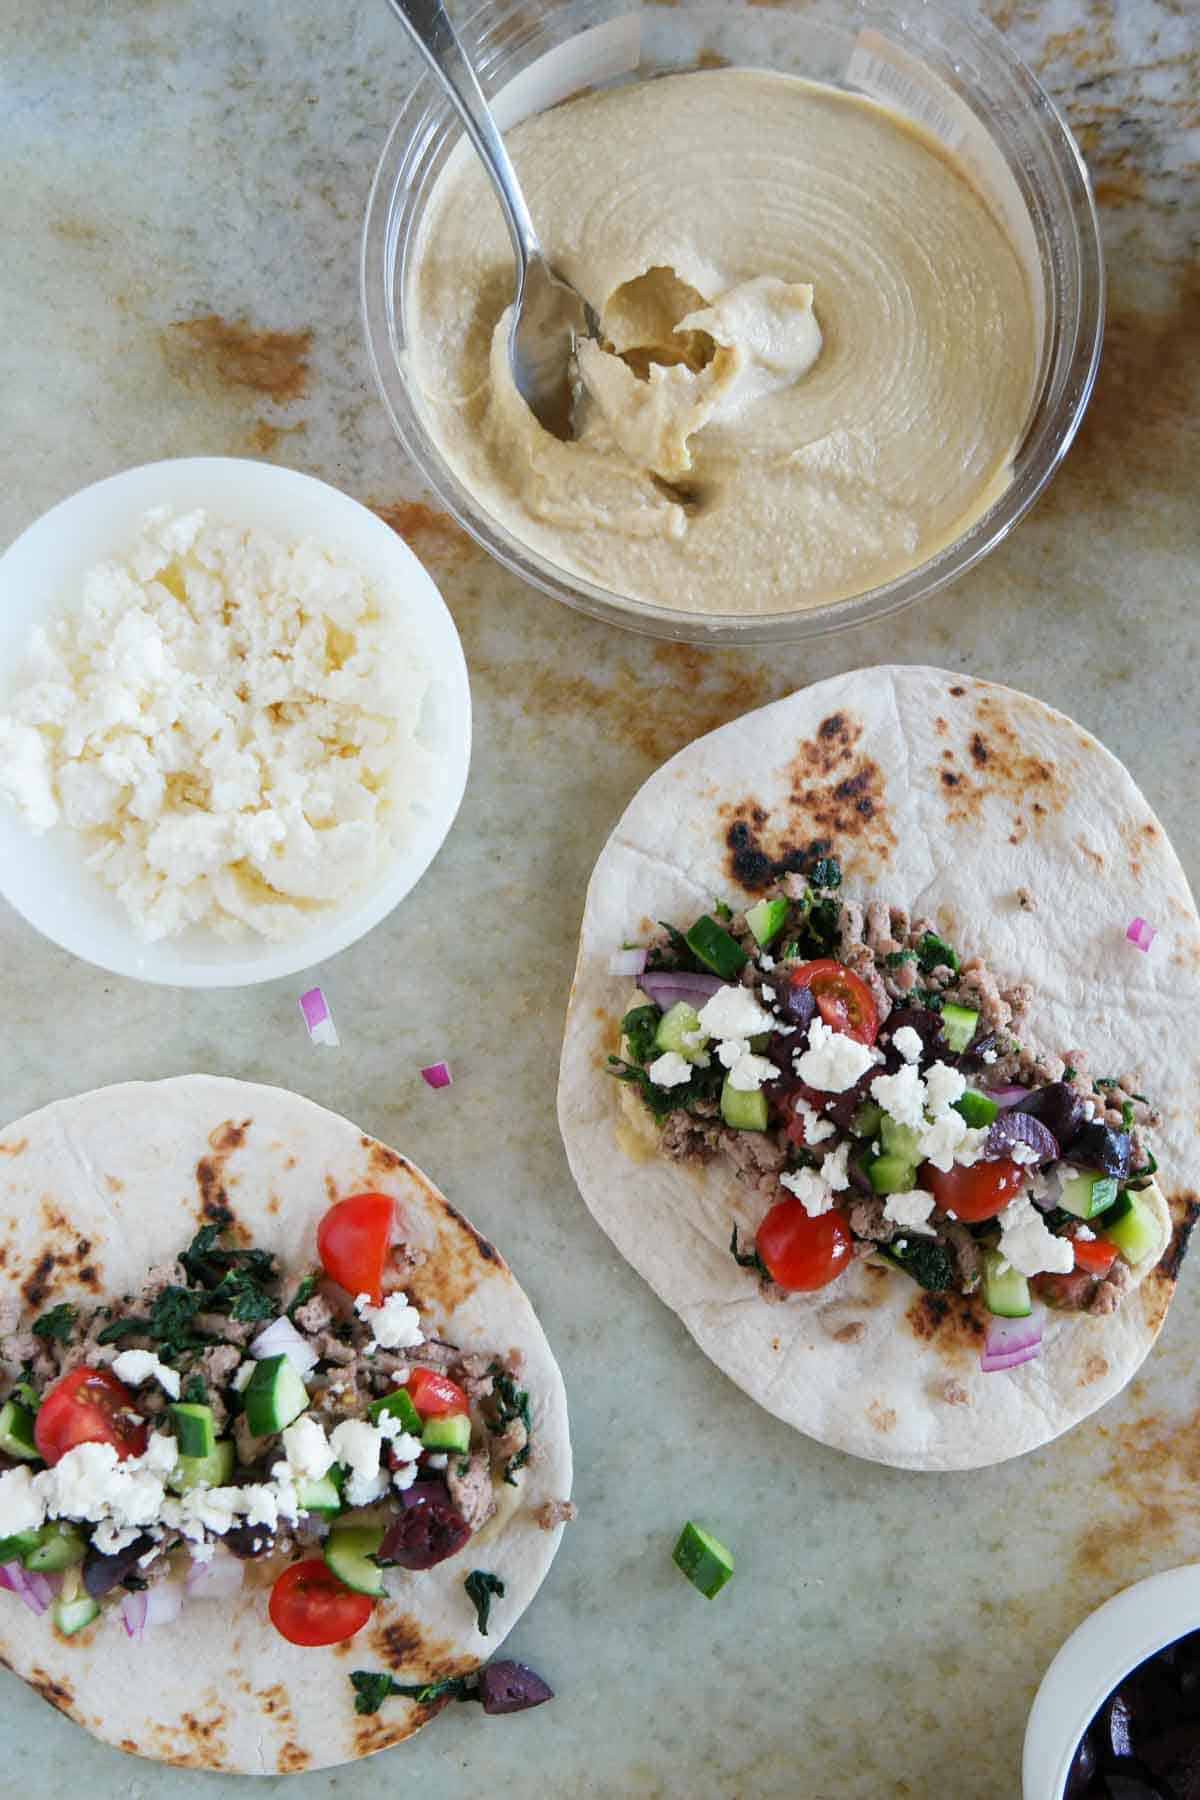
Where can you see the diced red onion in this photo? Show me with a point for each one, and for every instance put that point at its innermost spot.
(437, 1075)
(133, 1614)
(35, 1590)
(1140, 933)
(628, 962)
(164, 1602)
(280, 1338)
(667, 987)
(1007, 1096)
(318, 1018)
(1011, 1342)
(217, 1579)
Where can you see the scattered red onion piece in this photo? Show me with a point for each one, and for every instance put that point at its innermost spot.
(1011, 1342)
(280, 1338)
(318, 1018)
(133, 1614)
(1140, 933)
(666, 986)
(36, 1591)
(217, 1579)
(628, 962)
(437, 1075)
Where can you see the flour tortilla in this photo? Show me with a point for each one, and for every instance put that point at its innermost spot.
(945, 795)
(93, 1192)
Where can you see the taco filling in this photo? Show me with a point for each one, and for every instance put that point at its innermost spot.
(875, 1095)
(228, 1414)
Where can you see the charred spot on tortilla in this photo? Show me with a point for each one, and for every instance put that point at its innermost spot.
(953, 1320)
(1188, 1208)
(980, 754)
(292, 1758)
(752, 865)
(214, 1201)
(382, 1157)
(883, 1418)
(58, 1694)
(14, 1149)
(1094, 1369)
(39, 1284)
(487, 1250)
(226, 1138)
(957, 692)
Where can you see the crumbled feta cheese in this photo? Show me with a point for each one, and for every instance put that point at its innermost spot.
(439, 1461)
(911, 1210)
(670, 1070)
(765, 961)
(307, 1451)
(230, 720)
(747, 1072)
(1025, 1154)
(814, 1195)
(833, 1062)
(768, 993)
(403, 1445)
(260, 1505)
(941, 1140)
(357, 1445)
(201, 1509)
(988, 1056)
(364, 1490)
(1029, 1245)
(395, 1325)
(137, 1366)
(22, 1505)
(908, 1043)
(89, 1482)
(405, 1476)
(943, 1086)
(733, 1012)
(1083, 1235)
(695, 1040)
(816, 1128)
(902, 1095)
(835, 1169)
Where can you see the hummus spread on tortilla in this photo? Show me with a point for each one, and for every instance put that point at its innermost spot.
(817, 346)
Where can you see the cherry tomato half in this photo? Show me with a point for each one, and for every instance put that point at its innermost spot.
(843, 1000)
(353, 1240)
(434, 1395)
(88, 1406)
(1096, 1255)
(310, 1606)
(801, 1252)
(973, 1193)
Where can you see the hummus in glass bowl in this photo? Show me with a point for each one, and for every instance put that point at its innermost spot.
(847, 270)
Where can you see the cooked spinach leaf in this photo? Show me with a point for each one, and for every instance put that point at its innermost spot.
(480, 1586)
(639, 1027)
(58, 1323)
(751, 1261)
(933, 952)
(372, 1690)
(303, 1294)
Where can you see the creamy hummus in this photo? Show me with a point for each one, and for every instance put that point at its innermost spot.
(817, 349)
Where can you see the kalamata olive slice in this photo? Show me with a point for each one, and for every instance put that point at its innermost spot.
(1013, 1128)
(103, 1573)
(794, 1003)
(927, 1025)
(1060, 1109)
(507, 1687)
(424, 1534)
(1100, 1147)
(249, 1541)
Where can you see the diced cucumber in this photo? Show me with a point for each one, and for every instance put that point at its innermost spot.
(1132, 1227)
(195, 1428)
(350, 1551)
(889, 1174)
(59, 1546)
(399, 1401)
(958, 1026)
(16, 1432)
(867, 1120)
(215, 1469)
(1007, 1295)
(743, 1109)
(976, 1108)
(71, 1616)
(712, 945)
(451, 1432)
(703, 1559)
(766, 919)
(13, 1548)
(275, 1395)
(675, 1022)
(1088, 1193)
(321, 1496)
(900, 1140)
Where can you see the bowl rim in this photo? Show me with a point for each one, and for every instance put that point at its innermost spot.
(128, 493)
(1108, 1644)
(945, 566)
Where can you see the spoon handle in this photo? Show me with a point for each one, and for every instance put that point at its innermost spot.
(435, 37)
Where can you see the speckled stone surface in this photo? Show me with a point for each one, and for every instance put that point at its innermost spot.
(183, 192)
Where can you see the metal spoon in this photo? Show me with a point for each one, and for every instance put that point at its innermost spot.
(549, 315)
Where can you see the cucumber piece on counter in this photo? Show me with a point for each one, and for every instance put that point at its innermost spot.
(976, 1108)
(399, 1401)
(275, 1395)
(214, 1470)
(1132, 1227)
(195, 1428)
(1007, 1295)
(958, 1025)
(59, 1546)
(742, 1109)
(675, 1022)
(766, 919)
(703, 1559)
(1088, 1193)
(712, 945)
(451, 1432)
(16, 1432)
(350, 1551)
(70, 1616)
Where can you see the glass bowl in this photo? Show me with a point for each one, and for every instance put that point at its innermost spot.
(952, 74)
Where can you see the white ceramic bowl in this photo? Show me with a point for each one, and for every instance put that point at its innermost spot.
(40, 574)
(1123, 1633)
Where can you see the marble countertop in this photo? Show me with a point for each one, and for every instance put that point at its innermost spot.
(183, 193)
